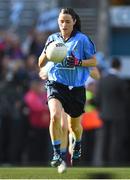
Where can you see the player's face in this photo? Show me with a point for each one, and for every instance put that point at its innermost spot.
(66, 24)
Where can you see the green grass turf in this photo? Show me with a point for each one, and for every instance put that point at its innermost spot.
(72, 173)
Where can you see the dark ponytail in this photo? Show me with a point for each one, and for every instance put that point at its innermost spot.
(74, 16)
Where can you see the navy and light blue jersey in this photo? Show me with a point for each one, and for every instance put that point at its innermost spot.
(82, 48)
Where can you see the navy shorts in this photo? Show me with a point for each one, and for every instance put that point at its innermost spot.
(73, 100)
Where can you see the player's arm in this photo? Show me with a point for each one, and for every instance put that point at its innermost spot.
(42, 59)
(89, 50)
(92, 62)
(94, 73)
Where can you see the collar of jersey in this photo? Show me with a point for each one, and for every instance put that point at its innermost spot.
(72, 34)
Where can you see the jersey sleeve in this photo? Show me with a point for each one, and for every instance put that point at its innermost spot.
(89, 48)
(49, 40)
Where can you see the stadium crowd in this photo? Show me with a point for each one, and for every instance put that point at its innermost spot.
(24, 115)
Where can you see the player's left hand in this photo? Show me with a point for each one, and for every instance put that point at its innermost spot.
(43, 73)
(72, 61)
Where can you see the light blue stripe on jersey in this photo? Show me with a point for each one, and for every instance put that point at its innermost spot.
(82, 48)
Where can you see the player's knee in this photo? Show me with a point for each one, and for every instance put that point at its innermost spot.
(55, 117)
(64, 129)
(64, 126)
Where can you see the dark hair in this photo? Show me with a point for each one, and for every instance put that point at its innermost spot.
(74, 15)
(116, 63)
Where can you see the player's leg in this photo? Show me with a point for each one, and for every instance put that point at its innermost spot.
(55, 108)
(71, 143)
(64, 141)
(64, 137)
(76, 130)
(67, 137)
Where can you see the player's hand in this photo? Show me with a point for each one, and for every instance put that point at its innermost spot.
(43, 73)
(72, 61)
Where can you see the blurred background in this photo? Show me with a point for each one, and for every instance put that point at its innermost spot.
(24, 116)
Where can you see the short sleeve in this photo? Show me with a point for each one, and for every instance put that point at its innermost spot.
(49, 40)
(89, 48)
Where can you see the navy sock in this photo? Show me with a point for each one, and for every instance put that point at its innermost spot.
(63, 153)
(56, 147)
(77, 145)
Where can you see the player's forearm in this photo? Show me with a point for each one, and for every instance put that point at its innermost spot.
(89, 62)
(42, 60)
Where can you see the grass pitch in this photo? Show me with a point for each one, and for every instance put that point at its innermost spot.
(72, 173)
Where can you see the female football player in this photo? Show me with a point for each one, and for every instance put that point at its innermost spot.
(66, 81)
